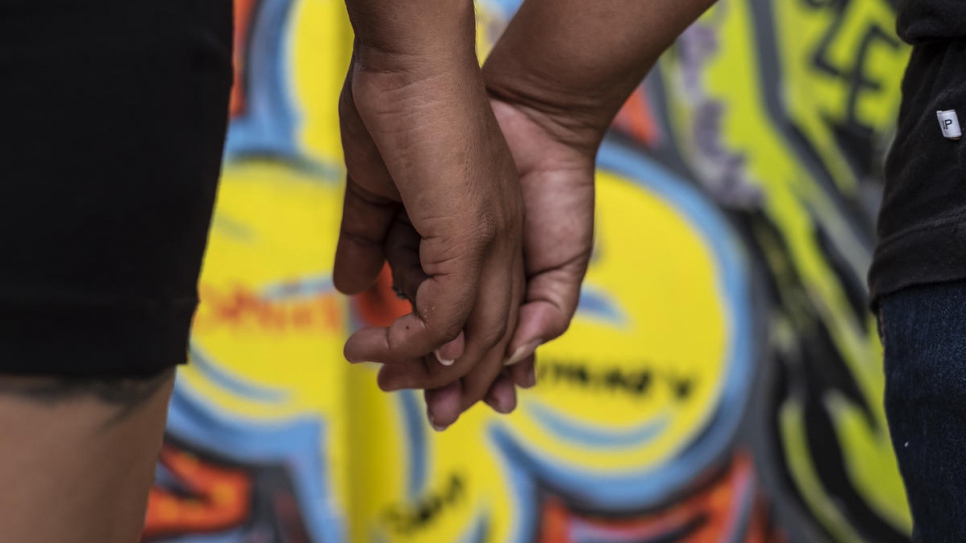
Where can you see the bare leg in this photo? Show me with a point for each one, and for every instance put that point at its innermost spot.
(77, 458)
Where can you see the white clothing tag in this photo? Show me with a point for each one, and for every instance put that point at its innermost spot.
(949, 122)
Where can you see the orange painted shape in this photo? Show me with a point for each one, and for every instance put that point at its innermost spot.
(219, 498)
(555, 523)
(379, 306)
(244, 11)
(710, 508)
(636, 119)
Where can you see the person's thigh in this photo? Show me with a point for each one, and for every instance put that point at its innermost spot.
(77, 457)
(923, 331)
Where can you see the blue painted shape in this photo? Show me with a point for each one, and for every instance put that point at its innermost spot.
(476, 533)
(507, 8)
(297, 444)
(524, 491)
(268, 126)
(232, 383)
(598, 304)
(164, 478)
(593, 435)
(302, 288)
(414, 428)
(743, 509)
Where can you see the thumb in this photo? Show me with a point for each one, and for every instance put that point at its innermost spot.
(359, 255)
(551, 302)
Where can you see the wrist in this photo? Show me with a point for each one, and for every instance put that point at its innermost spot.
(419, 37)
(428, 64)
(580, 121)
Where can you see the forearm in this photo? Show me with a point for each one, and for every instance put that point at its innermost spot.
(416, 85)
(421, 37)
(581, 59)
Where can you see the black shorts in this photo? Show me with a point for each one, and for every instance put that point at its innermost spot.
(112, 122)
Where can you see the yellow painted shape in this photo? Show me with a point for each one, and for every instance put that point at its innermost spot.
(321, 45)
(656, 269)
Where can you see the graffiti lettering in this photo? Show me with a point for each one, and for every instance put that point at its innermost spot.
(615, 378)
(241, 309)
(408, 517)
(856, 77)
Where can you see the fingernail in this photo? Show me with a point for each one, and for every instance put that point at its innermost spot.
(442, 360)
(523, 352)
(432, 422)
(505, 405)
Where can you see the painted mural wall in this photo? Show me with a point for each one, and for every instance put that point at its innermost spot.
(721, 381)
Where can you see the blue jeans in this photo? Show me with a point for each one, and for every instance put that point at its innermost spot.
(923, 330)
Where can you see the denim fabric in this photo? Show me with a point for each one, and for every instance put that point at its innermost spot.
(923, 330)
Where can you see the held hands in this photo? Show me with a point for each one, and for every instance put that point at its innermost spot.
(450, 224)
(431, 187)
(555, 163)
(434, 189)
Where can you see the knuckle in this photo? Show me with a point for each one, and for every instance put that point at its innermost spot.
(561, 327)
(499, 223)
(397, 339)
(501, 331)
(487, 227)
(493, 335)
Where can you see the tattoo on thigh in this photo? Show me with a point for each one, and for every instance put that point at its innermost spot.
(126, 393)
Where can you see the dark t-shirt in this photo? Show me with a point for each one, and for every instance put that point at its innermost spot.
(922, 224)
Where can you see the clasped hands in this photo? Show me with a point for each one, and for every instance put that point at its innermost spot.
(479, 194)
